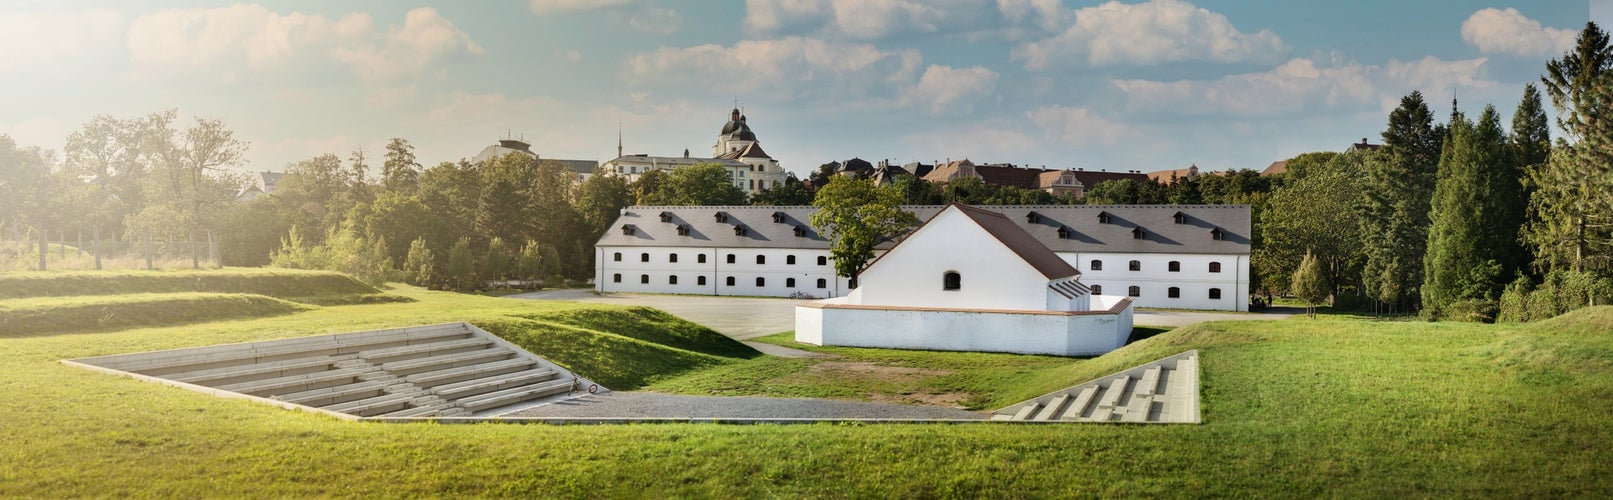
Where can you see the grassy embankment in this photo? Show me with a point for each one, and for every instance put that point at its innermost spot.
(1336, 406)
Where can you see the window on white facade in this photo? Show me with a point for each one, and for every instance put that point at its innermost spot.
(789, 259)
(951, 281)
(672, 258)
(1215, 267)
(823, 261)
(789, 283)
(672, 280)
(1135, 265)
(700, 280)
(730, 281)
(1097, 289)
(730, 258)
(700, 258)
(616, 278)
(1175, 267)
(618, 256)
(760, 281)
(823, 283)
(644, 278)
(761, 259)
(644, 257)
(1134, 291)
(1215, 293)
(1173, 292)
(1097, 265)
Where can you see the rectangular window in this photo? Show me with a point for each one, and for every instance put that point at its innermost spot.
(1174, 267)
(1136, 265)
(672, 280)
(1134, 291)
(760, 281)
(616, 278)
(1215, 293)
(1097, 265)
(644, 278)
(1173, 292)
(701, 258)
(700, 280)
(730, 258)
(644, 257)
(672, 258)
(789, 259)
(823, 261)
(761, 259)
(1215, 267)
(823, 283)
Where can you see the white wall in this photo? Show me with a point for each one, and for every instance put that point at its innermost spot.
(821, 323)
(775, 271)
(1154, 280)
(992, 275)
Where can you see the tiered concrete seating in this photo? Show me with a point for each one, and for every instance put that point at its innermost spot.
(426, 371)
(1164, 391)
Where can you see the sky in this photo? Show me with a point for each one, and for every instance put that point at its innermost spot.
(1119, 85)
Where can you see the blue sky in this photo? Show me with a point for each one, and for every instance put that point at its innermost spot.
(1098, 85)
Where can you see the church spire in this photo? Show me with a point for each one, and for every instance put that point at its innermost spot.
(618, 139)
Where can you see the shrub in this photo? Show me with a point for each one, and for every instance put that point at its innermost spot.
(1514, 304)
(1470, 311)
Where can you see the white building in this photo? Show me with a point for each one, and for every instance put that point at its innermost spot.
(1164, 256)
(969, 279)
(737, 150)
(578, 170)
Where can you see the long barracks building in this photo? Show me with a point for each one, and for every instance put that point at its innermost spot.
(1164, 256)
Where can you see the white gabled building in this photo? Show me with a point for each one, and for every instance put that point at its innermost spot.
(1162, 256)
(737, 150)
(969, 279)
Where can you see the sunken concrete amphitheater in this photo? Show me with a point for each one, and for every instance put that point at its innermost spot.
(447, 370)
(1164, 391)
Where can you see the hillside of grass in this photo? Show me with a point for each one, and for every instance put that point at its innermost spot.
(307, 287)
(1299, 408)
(49, 315)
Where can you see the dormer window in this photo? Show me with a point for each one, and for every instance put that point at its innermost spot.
(683, 229)
(1138, 233)
(722, 217)
(800, 231)
(1104, 218)
(1033, 218)
(666, 216)
(1064, 232)
(741, 231)
(1181, 218)
(778, 217)
(1217, 235)
(628, 229)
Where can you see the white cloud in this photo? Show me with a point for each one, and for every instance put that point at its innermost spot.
(1495, 31)
(1079, 126)
(788, 67)
(942, 87)
(1159, 31)
(983, 142)
(1300, 86)
(657, 20)
(36, 41)
(241, 41)
(541, 7)
(1049, 15)
(865, 19)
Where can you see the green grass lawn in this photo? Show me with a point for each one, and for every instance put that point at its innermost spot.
(1337, 406)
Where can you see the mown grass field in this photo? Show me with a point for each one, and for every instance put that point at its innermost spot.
(1332, 407)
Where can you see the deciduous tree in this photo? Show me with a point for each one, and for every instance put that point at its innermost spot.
(856, 216)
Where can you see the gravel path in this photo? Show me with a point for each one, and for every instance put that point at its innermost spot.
(630, 405)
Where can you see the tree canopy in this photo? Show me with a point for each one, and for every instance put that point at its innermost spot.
(856, 216)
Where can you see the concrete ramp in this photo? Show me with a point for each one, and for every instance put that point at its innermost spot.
(447, 370)
(1164, 391)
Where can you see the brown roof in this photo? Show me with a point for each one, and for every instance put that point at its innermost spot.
(1022, 243)
(754, 150)
(1276, 168)
(1091, 179)
(1050, 178)
(1009, 176)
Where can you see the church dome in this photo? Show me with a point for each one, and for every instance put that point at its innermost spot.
(742, 134)
(735, 121)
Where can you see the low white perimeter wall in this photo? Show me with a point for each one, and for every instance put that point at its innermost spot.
(1086, 333)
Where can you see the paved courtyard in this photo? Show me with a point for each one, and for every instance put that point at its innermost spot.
(749, 317)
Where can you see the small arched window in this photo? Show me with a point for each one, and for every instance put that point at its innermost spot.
(823, 283)
(789, 259)
(789, 283)
(1134, 291)
(1175, 266)
(823, 261)
(700, 258)
(644, 278)
(1097, 289)
(760, 281)
(761, 259)
(1215, 294)
(644, 257)
(1135, 265)
(618, 257)
(672, 280)
(1173, 292)
(616, 278)
(1097, 265)
(1215, 267)
(951, 281)
(673, 258)
(730, 281)
(700, 280)
(730, 258)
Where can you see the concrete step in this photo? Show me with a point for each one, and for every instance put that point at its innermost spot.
(1052, 408)
(1110, 399)
(229, 375)
(444, 361)
(333, 395)
(1079, 406)
(495, 383)
(426, 349)
(418, 410)
(167, 363)
(293, 383)
(1026, 411)
(511, 396)
(374, 405)
(1149, 382)
(463, 373)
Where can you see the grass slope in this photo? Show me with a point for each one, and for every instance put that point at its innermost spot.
(43, 316)
(309, 287)
(1332, 407)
